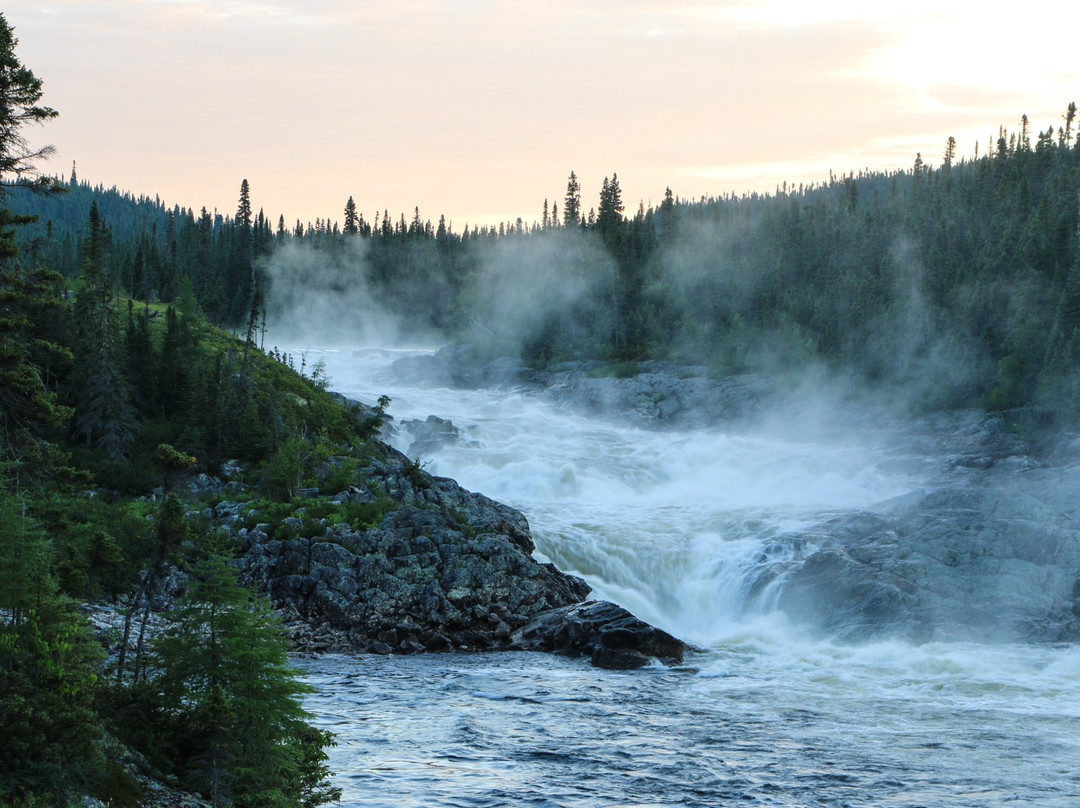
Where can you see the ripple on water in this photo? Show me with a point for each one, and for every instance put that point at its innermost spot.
(533, 729)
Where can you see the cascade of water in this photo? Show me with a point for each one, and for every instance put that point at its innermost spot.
(689, 530)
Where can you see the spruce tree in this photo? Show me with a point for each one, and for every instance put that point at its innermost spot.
(30, 409)
(572, 202)
(48, 672)
(29, 406)
(104, 416)
(352, 221)
(224, 675)
(20, 92)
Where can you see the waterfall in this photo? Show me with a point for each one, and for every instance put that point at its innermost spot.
(691, 531)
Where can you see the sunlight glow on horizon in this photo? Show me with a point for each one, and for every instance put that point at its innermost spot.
(479, 110)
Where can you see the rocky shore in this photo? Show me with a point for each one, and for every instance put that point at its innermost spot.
(437, 568)
(444, 569)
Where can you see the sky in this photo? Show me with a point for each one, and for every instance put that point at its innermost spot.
(479, 109)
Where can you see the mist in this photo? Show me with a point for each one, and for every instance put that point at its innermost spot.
(325, 299)
(523, 288)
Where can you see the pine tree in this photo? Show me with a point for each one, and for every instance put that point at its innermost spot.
(352, 222)
(241, 276)
(29, 300)
(48, 672)
(609, 218)
(104, 416)
(20, 92)
(173, 385)
(30, 410)
(572, 202)
(242, 731)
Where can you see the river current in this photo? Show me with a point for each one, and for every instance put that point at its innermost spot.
(666, 525)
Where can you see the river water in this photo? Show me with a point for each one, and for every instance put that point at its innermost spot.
(667, 525)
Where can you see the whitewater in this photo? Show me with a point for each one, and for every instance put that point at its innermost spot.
(669, 525)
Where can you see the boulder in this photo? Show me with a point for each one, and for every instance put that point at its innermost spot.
(606, 633)
(996, 558)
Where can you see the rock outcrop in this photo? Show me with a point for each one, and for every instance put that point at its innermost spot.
(951, 563)
(441, 569)
(607, 634)
(430, 435)
(988, 549)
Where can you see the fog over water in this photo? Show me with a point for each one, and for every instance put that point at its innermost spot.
(666, 524)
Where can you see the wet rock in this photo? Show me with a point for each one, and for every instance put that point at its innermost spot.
(608, 634)
(650, 393)
(993, 556)
(431, 435)
(662, 394)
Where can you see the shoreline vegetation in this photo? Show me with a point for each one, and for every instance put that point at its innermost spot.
(153, 461)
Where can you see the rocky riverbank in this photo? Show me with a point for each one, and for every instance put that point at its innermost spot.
(407, 563)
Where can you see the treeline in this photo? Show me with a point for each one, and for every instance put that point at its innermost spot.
(959, 281)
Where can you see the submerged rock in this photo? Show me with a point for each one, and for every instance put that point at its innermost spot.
(648, 393)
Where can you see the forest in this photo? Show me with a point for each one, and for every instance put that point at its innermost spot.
(132, 356)
(957, 283)
(100, 406)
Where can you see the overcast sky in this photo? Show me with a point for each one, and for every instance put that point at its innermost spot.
(479, 109)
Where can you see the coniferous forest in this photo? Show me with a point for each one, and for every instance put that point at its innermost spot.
(958, 281)
(131, 355)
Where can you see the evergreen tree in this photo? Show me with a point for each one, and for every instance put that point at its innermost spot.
(29, 406)
(20, 92)
(30, 409)
(609, 218)
(352, 221)
(104, 416)
(241, 729)
(572, 202)
(241, 277)
(48, 673)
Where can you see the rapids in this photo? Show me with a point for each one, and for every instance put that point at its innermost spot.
(668, 525)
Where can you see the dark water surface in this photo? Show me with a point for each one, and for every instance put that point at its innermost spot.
(825, 729)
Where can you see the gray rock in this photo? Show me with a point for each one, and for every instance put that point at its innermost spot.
(993, 555)
(430, 435)
(446, 569)
(656, 393)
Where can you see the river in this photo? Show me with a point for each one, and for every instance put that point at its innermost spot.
(665, 525)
